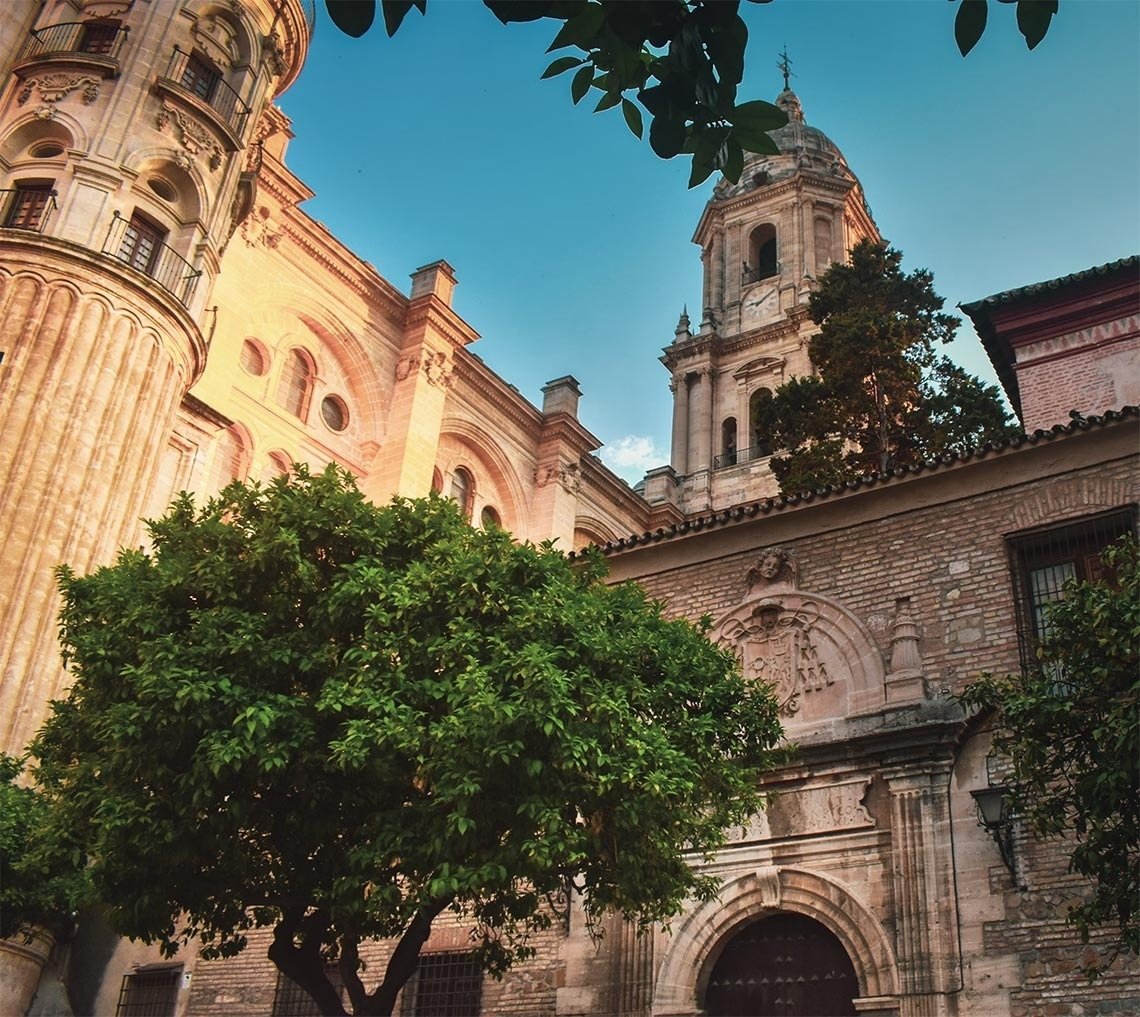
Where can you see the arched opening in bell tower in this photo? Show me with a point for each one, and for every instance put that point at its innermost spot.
(783, 965)
(759, 438)
(762, 262)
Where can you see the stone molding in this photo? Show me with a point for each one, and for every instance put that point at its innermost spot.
(192, 136)
(58, 85)
(696, 937)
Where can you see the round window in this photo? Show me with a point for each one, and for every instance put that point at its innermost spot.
(46, 150)
(254, 359)
(163, 188)
(334, 413)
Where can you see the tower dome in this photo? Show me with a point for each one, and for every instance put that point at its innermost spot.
(802, 147)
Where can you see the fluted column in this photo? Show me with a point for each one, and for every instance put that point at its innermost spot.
(679, 454)
(88, 390)
(700, 420)
(926, 913)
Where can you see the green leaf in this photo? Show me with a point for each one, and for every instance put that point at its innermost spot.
(394, 11)
(734, 160)
(608, 101)
(510, 11)
(581, 30)
(353, 17)
(969, 24)
(561, 65)
(1033, 18)
(632, 117)
(700, 172)
(757, 116)
(580, 84)
(667, 136)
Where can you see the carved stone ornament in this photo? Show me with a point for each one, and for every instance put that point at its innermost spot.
(774, 566)
(777, 649)
(565, 474)
(193, 137)
(259, 229)
(53, 87)
(437, 370)
(407, 365)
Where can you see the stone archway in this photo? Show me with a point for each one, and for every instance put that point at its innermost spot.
(696, 938)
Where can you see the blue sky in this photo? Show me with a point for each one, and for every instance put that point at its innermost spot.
(572, 241)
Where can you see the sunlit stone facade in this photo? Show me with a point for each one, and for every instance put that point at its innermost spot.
(171, 318)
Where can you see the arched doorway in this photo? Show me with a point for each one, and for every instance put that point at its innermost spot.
(783, 965)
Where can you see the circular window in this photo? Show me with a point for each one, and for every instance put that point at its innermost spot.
(254, 359)
(334, 413)
(46, 150)
(163, 188)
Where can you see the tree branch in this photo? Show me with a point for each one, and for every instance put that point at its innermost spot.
(405, 958)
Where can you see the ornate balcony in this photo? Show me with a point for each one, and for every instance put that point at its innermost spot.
(97, 43)
(141, 245)
(200, 84)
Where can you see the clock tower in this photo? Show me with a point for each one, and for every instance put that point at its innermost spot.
(764, 240)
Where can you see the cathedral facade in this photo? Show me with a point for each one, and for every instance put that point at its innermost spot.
(173, 319)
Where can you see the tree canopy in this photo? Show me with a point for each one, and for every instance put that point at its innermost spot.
(682, 61)
(881, 398)
(303, 711)
(1070, 729)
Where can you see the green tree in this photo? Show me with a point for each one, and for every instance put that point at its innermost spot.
(882, 397)
(36, 892)
(682, 61)
(303, 711)
(1070, 729)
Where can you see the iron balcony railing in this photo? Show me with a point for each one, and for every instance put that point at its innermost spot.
(741, 455)
(751, 275)
(191, 74)
(144, 250)
(94, 38)
(26, 208)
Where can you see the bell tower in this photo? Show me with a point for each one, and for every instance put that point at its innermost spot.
(764, 241)
(128, 147)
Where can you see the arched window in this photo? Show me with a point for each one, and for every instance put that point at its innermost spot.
(762, 262)
(254, 357)
(782, 964)
(295, 388)
(489, 517)
(278, 465)
(823, 256)
(231, 458)
(728, 442)
(437, 481)
(759, 438)
(462, 490)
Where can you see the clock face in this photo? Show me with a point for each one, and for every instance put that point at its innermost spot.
(761, 304)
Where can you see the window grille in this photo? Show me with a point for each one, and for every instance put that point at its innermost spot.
(290, 1000)
(150, 993)
(445, 985)
(1042, 560)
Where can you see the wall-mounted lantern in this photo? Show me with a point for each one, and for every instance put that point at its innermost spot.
(995, 815)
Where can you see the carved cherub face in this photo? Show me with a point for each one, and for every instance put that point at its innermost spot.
(771, 565)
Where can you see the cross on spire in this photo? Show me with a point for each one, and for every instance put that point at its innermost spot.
(785, 66)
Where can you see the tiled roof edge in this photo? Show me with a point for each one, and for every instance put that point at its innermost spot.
(749, 510)
(1032, 289)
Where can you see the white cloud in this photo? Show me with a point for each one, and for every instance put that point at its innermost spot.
(631, 456)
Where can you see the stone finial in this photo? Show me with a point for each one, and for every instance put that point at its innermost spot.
(904, 680)
(682, 330)
(437, 278)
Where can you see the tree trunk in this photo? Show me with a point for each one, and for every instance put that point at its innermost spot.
(403, 962)
(302, 963)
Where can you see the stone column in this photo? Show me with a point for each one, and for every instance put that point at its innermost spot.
(700, 420)
(679, 454)
(89, 387)
(926, 911)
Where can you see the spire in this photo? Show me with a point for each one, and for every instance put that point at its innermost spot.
(682, 331)
(785, 66)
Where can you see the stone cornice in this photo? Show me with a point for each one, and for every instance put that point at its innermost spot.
(795, 184)
(561, 429)
(429, 312)
(472, 371)
(790, 326)
(602, 480)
